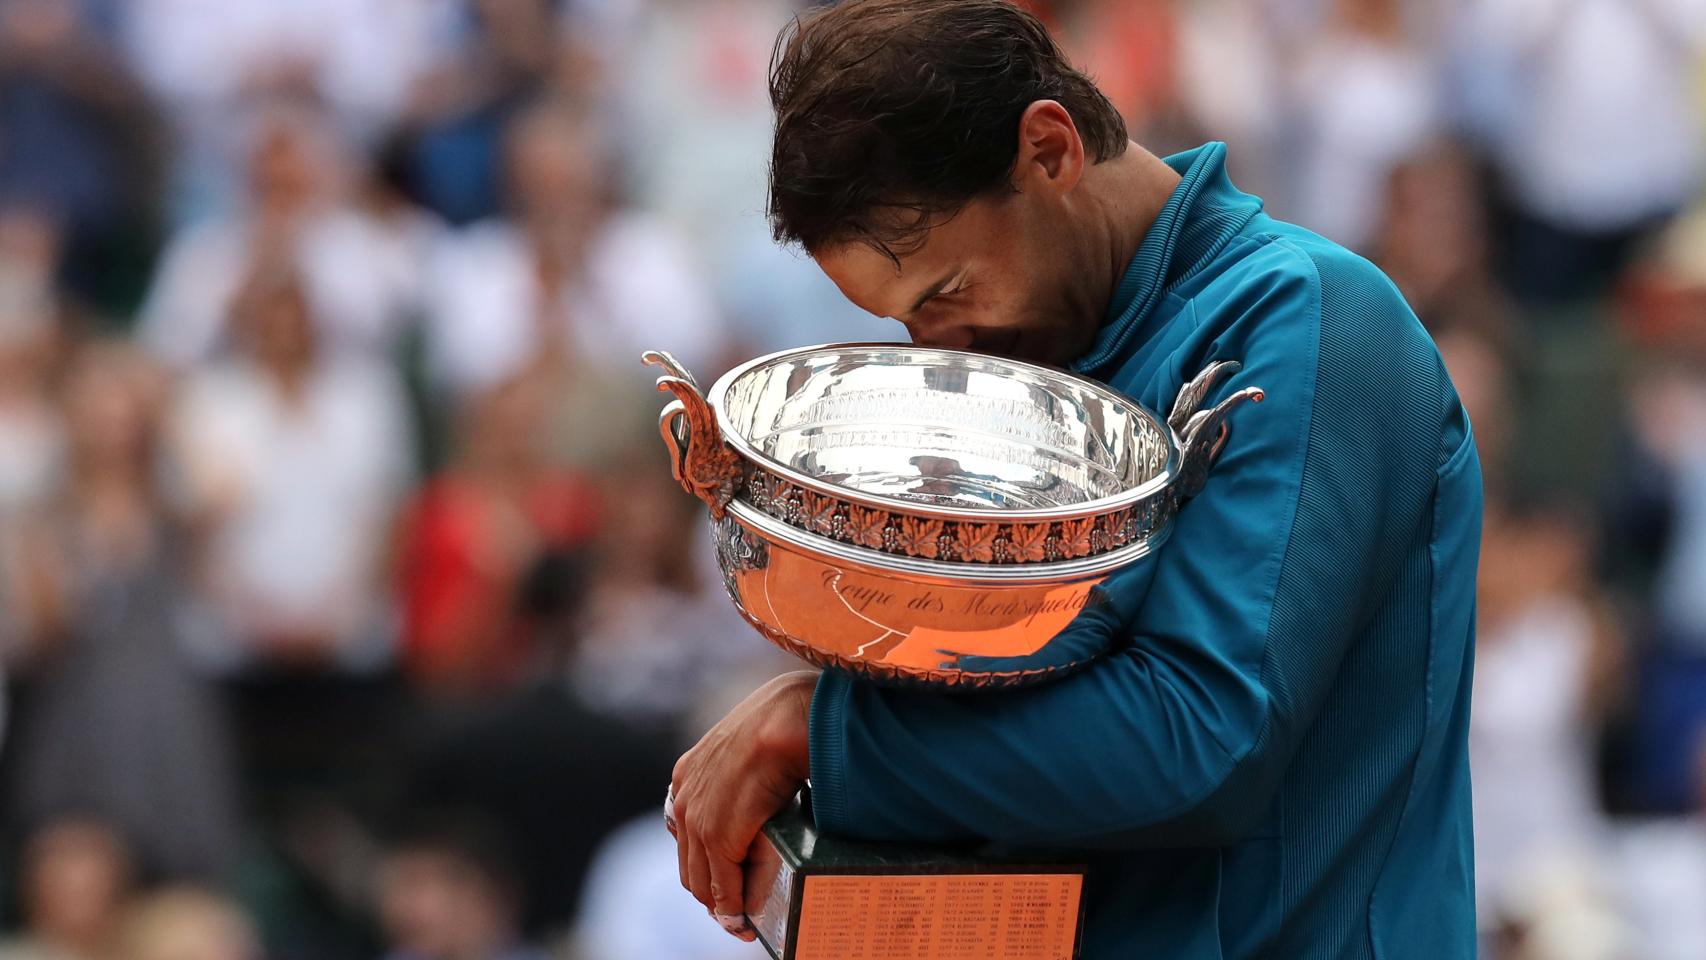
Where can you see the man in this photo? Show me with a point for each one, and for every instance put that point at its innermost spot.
(1272, 762)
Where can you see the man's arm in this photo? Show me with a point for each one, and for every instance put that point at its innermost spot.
(1235, 629)
(1181, 736)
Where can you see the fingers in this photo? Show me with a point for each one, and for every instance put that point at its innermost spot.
(683, 840)
(698, 871)
(727, 896)
(687, 825)
(738, 775)
(714, 880)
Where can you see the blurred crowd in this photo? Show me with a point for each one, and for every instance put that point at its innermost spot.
(348, 609)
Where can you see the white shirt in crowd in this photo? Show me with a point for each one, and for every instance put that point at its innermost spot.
(1597, 128)
(1660, 869)
(305, 492)
(362, 278)
(1364, 106)
(638, 291)
(1530, 752)
(364, 55)
(1231, 68)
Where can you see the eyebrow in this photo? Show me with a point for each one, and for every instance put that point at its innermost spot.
(935, 289)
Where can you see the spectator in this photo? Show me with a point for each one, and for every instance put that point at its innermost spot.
(555, 775)
(776, 300)
(208, 62)
(185, 924)
(695, 118)
(82, 147)
(1131, 47)
(1660, 515)
(359, 272)
(362, 56)
(471, 536)
(447, 892)
(1660, 866)
(659, 631)
(29, 426)
(1549, 664)
(1670, 405)
(1587, 108)
(695, 107)
(72, 884)
(1433, 242)
(116, 723)
(1665, 291)
(460, 109)
(295, 458)
(573, 280)
(635, 906)
(1364, 101)
(1232, 57)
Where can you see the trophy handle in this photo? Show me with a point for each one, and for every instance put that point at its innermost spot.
(672, 424)
(667, 361)
(1192, 394)
(1202, 433)
(701, 462)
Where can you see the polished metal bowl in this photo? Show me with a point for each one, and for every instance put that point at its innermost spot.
(930, 516)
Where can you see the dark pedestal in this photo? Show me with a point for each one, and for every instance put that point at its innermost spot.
(818, 897)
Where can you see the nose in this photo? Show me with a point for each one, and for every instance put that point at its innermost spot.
(951, 336)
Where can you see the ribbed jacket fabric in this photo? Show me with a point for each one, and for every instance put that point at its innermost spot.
(1273, 761)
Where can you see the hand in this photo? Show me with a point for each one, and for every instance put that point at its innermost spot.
(740, 774)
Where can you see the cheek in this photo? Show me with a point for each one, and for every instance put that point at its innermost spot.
(1011, 302)
(1049, 295)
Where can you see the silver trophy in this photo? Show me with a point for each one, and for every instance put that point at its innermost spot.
(932, 517)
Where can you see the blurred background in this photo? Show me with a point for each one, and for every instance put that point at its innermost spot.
(348, 609)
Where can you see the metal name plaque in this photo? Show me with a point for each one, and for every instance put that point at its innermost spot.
(815, 897)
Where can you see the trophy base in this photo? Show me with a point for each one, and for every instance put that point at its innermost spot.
(817, 897)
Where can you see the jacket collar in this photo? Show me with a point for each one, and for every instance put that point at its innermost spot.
(1203, 214)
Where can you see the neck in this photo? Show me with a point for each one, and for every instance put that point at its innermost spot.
(1126, 194)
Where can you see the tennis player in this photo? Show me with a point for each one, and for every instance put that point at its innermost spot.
(1273, 761)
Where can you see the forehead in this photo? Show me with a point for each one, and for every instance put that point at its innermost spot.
(866, 277)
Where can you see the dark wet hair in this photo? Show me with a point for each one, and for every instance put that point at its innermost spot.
(892, 115)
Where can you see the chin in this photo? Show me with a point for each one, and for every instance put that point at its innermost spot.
(1038, 346)
(1058, 347)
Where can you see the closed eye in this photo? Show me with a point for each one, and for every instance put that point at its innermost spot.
(945, 294)
(950, 284)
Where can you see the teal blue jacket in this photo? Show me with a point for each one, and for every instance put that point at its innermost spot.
(1273, 762)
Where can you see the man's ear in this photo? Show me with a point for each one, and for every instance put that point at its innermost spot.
(1051, 153)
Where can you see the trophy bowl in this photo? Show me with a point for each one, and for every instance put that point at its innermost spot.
(932, 517)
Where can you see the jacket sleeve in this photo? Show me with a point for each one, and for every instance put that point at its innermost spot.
(1226, 641)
